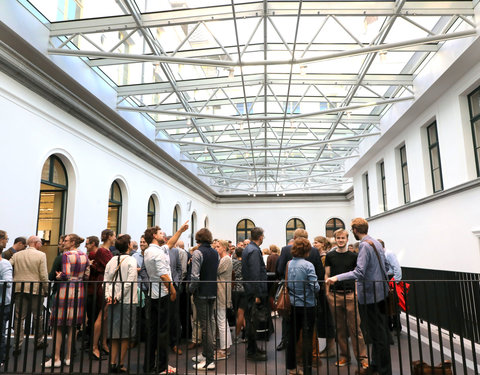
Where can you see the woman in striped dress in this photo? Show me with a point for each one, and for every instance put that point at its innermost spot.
(69, 304)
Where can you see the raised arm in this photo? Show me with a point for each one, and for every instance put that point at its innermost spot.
(172, 241)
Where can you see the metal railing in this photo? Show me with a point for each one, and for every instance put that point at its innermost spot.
(147, 324)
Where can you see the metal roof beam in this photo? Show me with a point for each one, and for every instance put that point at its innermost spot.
(251, 10)
(273, 79)
(304, 60)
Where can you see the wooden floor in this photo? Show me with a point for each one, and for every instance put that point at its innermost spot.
(407, 347)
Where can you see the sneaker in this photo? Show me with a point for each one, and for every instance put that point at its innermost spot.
(50, 363)
(342, 362)
(204, 366)
(199, 358)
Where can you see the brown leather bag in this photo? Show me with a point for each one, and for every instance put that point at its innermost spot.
(422, 368)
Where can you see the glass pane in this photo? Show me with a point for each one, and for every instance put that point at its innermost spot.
(150, 221)
(50, 222)
(475, 103)
(250, 224)
(117, 194)
(329, 233)
(113, 217)
(405, 174)
(432, 134)
(476, 130)
(241, 236)
(437, 181)
(151, 205)
(289, 235)
(300, 224)
(435, 158)
(290, 224)
(46, 170)
(403, 155)
(59, 176)
(406, 190)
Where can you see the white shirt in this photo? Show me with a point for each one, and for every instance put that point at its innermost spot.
(157, 263)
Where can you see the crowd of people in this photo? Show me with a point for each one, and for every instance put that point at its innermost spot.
(117, 295)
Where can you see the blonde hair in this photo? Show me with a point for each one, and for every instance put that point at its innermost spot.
(274, 249)
(223, 244)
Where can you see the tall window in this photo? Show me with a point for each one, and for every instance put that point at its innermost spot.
(205, 222)
(114, 208)
(332, 225)
(175, 220)
(383, 184)
(292, 225)
(474, 103)
(405, 181)
(151, 213)
(434, 151)
(367, 193)
(193, 227)
(52, 206)
(244, 227)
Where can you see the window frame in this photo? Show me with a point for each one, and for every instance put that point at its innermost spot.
(431, 148)
(383, 183)
(175, 219)
(244, 229)
(367, 192)
(294, 228)
(192, 228)
(151, 214)
(114, 203)
(57, 188)
(335, 226)
(473, 120)
(404, 164)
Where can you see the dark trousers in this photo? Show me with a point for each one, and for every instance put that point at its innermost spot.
(373, 315)
(174, 320)
(4, 318)
(301, 318)
(156, 354)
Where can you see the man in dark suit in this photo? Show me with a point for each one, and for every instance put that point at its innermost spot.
(285, 256)
(19, 244)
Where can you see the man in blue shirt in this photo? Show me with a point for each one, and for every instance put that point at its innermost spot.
(6, 278)
(253, 269)
(372, 290)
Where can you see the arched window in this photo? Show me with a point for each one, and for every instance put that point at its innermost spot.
(292, 226)
(244, 227)
(205, 222)
(175, 219)
(332, 225)
(114, 208)
(151, 213)
(52, 206)
(193, 227)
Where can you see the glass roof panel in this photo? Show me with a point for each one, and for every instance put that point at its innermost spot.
(253, 114)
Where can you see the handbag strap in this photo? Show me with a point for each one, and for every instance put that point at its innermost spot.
(117, 270)
(379, 262)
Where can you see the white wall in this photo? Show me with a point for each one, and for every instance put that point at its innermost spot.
(273, 218)
(33, 129)
(436, 234)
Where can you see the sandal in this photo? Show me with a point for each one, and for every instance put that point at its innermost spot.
(295, 371)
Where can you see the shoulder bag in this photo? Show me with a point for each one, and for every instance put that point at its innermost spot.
(390, 308)
(282, 298)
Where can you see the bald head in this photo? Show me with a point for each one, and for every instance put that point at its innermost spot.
(34, 241)
(300, 233)
(180, 245)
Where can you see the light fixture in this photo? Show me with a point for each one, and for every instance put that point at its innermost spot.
(241, 125)
(329, 145)
(205, 150)
(254, 194)
(303, 70)
(368, 21)
(189, 121)
(283, 194)
(291, 124)
(231, 73)
(349, 114)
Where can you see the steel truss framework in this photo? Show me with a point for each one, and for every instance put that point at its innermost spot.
(264, 96)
